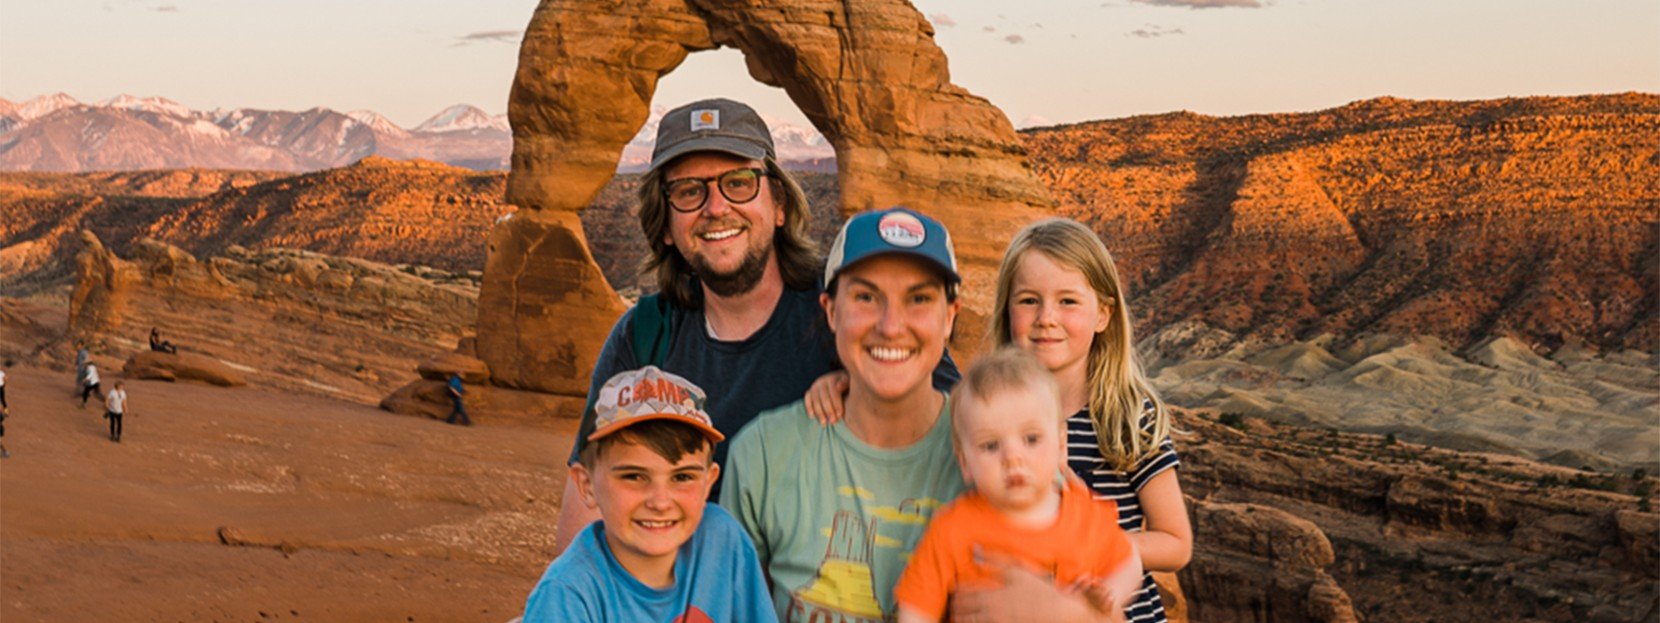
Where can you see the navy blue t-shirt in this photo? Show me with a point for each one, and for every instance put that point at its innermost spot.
(772, 368)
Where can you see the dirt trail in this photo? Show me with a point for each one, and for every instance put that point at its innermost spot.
(250, 504)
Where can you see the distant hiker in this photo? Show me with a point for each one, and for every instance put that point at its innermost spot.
(81, 359)
(3, 404)
(115, 406)
(455, 391)
(726, 233)
(3, 413)
(90, 388)
(160, 345)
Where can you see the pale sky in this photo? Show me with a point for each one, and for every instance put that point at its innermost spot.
(1041, 61)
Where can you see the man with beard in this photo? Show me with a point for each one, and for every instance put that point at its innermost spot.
(737, 277)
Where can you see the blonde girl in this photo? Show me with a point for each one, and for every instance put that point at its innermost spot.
(1059, 297)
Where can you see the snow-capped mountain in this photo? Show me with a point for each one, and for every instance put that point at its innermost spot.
(463, 117)
(380, 124)
(160, 105)
(57, 133)
(44, 105)
(8, 116)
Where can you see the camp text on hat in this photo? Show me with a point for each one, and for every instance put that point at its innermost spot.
(895, 230)
(635, 396)
(719, 125)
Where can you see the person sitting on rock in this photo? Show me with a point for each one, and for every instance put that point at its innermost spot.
(726, 234)
(160, 345)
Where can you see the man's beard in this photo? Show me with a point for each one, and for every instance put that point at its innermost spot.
(739, 281)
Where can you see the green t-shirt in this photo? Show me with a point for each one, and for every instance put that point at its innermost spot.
(833, 518)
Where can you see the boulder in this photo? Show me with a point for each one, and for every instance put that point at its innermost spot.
(439, 368)
(182, 367)
(485, 404)
(1259, 563)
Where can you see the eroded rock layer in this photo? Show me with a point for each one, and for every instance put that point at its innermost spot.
(1534, 217)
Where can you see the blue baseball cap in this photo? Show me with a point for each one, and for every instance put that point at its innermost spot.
(894, 230)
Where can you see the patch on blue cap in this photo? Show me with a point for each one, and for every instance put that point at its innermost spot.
(902, 230)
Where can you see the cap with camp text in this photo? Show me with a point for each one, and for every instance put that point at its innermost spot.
(895, 230)
(719, 125)
(635, 396)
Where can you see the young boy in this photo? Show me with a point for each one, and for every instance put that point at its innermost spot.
(659, 552)
(1010, 434)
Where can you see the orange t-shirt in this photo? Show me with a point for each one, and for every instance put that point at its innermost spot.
(1084, 542)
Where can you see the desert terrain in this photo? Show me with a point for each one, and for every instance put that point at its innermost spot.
(259, 503)
(1417, 371)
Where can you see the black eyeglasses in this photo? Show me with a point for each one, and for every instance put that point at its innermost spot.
(689, 194)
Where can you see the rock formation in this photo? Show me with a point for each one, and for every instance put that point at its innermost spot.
(867, 75)
(1262, 564)
(1531, 217)
(1302, 524)
(295, 320)
(102, 284)
(181, 367)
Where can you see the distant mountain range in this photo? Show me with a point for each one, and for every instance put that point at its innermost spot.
(125, 133)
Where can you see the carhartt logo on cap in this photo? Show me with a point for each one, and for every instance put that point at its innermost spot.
(708, 119)
(901, 230)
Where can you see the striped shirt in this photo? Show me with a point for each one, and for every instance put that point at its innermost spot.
(1084, 456)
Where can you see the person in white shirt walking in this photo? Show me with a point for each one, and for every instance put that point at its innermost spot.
(115, 406)
(90, 385)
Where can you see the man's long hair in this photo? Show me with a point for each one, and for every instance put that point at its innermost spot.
(798, 258)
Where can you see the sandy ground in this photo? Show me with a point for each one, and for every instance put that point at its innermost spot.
(248, 504)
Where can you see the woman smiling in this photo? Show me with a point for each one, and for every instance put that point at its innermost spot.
(834, 511)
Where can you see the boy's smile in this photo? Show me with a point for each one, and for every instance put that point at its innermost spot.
(649, 507)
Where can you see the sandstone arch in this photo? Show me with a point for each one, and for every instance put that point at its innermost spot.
(868, 75)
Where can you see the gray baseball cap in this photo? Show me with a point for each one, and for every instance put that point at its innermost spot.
(711, 125)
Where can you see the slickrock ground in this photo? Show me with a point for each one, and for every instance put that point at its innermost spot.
(294, 320)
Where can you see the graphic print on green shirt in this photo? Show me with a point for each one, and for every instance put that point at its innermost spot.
(834, 519)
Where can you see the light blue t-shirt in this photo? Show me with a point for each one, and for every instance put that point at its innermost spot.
(717, 579)
(833, 518)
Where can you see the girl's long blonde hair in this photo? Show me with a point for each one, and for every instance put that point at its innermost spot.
(1118, 389)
